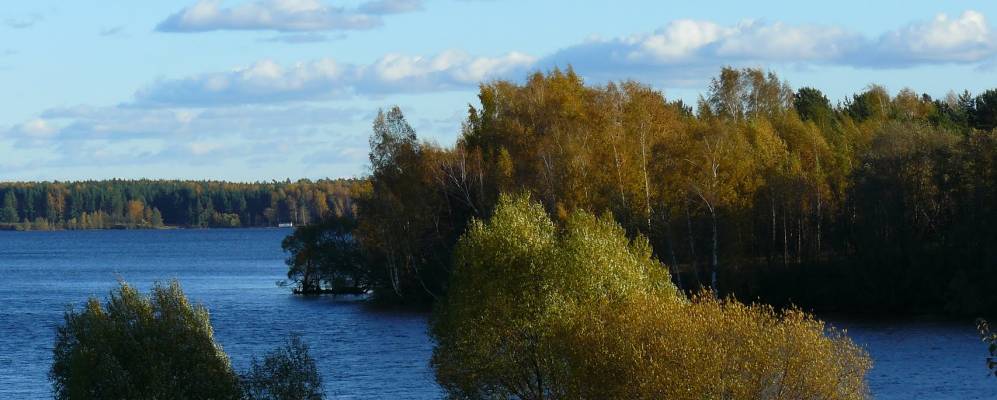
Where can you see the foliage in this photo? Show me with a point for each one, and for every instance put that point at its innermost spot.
(140, 347)
(515, 279)
(419, 201)
(708, 348)
(153, 204)
(990, 338)
(538, 312)
(286, 373)
(882, 203)
(325, 256)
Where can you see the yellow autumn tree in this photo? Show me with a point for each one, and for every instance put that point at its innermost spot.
(537, 311)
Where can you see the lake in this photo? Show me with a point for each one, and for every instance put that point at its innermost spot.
(361, 352)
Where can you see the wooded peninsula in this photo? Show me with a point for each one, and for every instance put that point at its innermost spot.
(879, 203)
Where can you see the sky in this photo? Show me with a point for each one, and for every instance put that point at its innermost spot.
(255, 90)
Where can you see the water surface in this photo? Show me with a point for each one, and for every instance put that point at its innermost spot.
(361, 353)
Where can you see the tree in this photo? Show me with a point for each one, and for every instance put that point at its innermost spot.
(135, 212)
(156, 218)
(516, 277)
(985, 110)
(812, 105)
(325, 254)
(540, 312)
(8, 213)
(158, 346)
(286, 373)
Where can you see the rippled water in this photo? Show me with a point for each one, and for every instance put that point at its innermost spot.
(924, 359)
(362, 353)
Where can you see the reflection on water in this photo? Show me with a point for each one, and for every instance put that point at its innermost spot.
(362, 353)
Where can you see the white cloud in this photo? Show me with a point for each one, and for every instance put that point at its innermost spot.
(266, 81)
(684, 49)
(968, 38)
(122, 123)
(282, 15)
(37, 128)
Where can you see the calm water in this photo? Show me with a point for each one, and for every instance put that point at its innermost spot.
(362, 353)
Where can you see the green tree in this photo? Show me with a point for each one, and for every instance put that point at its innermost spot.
(812, 105)
(286, 373)
(516, 279)
(8, 213)
(158, 346)
(326, 256)
(985, 110)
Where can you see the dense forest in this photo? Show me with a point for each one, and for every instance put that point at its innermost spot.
(878, 203)
(159, 203)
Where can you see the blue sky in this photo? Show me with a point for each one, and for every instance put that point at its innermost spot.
(271, 89)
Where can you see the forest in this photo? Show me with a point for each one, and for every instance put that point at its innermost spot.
(168, 203)
(880, 202)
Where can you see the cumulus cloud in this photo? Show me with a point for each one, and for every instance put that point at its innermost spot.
(283, 16)
(267, 81)
(943, 39)
(688, 48)
(86, 136)
(124, 122)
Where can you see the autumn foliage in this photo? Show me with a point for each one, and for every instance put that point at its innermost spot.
(540, 312)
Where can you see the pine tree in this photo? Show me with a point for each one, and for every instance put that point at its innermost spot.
(8, 213)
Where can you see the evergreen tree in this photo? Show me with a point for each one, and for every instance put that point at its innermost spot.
(8, 213)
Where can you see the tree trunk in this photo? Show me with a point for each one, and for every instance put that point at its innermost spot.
(692, 243)
(714, 259)
(785, 240)
(819, 217)
(775, 241)
(799, 240)
(671, 254)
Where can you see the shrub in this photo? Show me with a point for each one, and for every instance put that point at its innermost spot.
(286, 373)
(539, 312)
(140, 347)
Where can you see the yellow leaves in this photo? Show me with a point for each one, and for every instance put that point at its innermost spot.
(710, 348)
(588, 314)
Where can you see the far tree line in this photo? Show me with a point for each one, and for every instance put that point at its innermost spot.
(158, 203)
(882, 202)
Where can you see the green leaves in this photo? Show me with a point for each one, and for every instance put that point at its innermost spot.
(140, 347)
(518, 281)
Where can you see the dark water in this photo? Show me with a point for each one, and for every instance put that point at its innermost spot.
(362, 353)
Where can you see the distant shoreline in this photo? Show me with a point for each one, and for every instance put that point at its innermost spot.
(20, 227)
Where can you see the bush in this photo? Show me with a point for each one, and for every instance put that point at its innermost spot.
(538, 312)
(706, 349)
(286, 373)
(140, 347)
